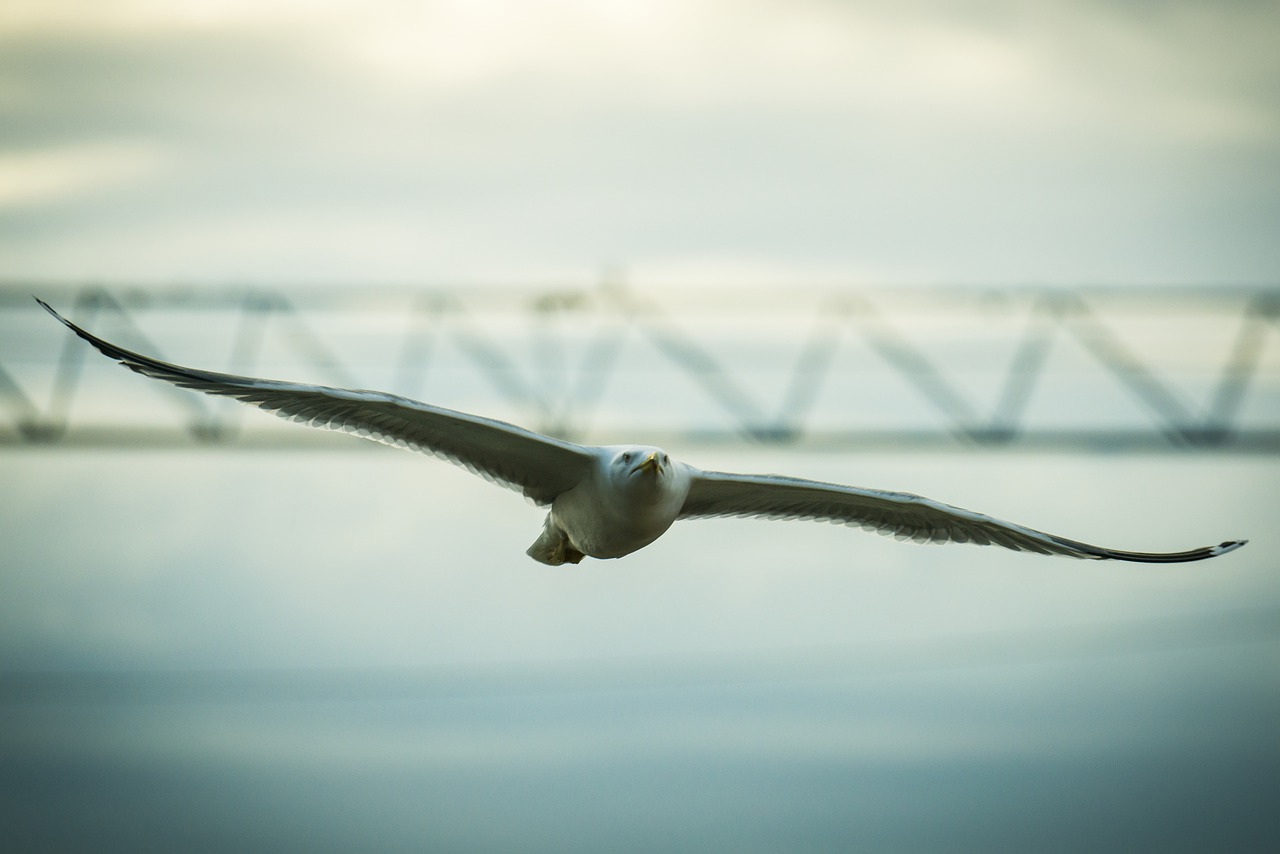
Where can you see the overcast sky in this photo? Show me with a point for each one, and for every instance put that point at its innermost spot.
(289, 141)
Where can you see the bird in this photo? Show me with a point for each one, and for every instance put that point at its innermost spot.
(608, 501)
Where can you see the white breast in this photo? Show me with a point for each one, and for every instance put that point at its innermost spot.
(607, 516)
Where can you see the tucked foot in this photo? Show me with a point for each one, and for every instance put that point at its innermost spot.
(553, 547)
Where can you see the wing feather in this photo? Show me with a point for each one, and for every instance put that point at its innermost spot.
(538, 466)
(897, 514)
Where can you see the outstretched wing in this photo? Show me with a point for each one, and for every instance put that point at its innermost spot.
(538, 466)
(898, 514)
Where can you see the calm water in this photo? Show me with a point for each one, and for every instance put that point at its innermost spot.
(238, 651)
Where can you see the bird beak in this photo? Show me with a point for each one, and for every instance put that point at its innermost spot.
(650, 463)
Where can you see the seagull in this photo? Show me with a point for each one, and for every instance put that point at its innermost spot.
(611, 500)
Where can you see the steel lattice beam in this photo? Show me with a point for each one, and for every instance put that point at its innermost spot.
(550, 359)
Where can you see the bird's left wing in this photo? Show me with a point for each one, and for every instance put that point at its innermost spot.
(898, 514)
(538, 466)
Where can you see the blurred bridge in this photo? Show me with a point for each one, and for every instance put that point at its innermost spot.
(1116, 368)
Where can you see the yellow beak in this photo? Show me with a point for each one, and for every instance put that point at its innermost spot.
(650, 462)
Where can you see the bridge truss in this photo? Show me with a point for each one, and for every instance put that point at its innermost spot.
(1119, 368)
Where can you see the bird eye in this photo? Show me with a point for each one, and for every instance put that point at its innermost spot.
(626, 456)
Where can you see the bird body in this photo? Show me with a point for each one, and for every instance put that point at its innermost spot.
(628, 499)
(609, 501)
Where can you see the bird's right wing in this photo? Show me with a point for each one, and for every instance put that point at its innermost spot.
(538, 466)
(898, 514)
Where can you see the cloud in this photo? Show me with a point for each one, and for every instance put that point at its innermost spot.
(983, 141)
(49, 174)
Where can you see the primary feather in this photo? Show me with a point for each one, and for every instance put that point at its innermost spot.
(538, 466)
(898, 514)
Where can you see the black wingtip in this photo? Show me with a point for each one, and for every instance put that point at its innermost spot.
(1228, 546)
(1182, 557)
(53, 311)
(1202, 553)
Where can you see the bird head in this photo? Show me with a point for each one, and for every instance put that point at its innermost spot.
(642, 462)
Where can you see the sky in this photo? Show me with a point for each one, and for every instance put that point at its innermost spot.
(233, 649)
(685, 142)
